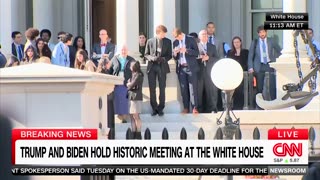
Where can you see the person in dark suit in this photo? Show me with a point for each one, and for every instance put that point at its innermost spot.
(17, 47)
(104, 49)
(187, 67)
(262, 52)
(207, 91)
(241, 56)
(213, 39)
(158, 53)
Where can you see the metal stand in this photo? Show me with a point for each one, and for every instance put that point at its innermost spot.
(231, 126)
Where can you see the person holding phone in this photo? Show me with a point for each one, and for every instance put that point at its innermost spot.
(158, 52)
(185, 53)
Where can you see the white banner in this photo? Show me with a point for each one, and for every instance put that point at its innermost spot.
(161, 152)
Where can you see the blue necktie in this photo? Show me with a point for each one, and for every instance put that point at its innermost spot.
(20, 52)
(264, 49)
(210, 40)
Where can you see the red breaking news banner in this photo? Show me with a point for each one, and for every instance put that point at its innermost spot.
(288, 134)
(51, 134)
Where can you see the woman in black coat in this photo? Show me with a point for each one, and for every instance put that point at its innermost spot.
(241, 56)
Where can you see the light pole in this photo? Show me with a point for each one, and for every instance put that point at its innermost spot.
(227, 75)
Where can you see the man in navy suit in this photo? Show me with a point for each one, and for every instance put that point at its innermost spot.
(185, 53)
(262, 52)
(16, 46)
(104, 49)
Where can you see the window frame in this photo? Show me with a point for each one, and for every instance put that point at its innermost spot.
(249, 20)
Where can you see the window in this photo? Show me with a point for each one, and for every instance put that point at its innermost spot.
(259, 8)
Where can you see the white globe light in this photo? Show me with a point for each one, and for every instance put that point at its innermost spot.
(227, 74)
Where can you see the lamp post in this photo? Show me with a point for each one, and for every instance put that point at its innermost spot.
(227, 75)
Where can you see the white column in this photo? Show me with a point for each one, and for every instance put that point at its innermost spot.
(128, 25)
(164, 13)
(199, 15)
(43, 14)
(6, 26)
(293, 6)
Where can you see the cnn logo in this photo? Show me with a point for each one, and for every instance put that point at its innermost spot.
(283, 149)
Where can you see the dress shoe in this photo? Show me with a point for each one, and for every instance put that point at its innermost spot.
(154, 113)
(185, 111)
(160, 113)
(195, 111)
(138, 135)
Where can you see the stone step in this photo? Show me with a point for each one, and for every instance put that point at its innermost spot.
(172, 107)
(249, 120)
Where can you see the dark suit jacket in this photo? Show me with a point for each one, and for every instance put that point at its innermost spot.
(191, 54)
(109, 49)
(254, 57)
(166, 54)
(72, 55)
(243, 59)
(213, 57)
(135, 88)
(115, 67)
(14, 50)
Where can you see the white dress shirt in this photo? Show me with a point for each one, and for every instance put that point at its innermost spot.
(182, 43)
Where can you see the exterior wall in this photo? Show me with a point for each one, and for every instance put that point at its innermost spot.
(227, 15)
(64, 18)
(199, 15)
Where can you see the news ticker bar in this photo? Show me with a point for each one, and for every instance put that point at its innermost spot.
(160, 170)
(286, 25)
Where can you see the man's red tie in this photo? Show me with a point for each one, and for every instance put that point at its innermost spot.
(103, 44)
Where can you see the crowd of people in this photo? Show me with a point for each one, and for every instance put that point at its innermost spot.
(194, 54)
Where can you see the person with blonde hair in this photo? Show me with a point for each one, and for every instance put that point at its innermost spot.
(44, 59)
(83, 62)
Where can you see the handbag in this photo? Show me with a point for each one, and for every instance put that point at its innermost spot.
(131, 95)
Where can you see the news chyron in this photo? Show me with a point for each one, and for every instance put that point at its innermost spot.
(83, 152)
(286, 21)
